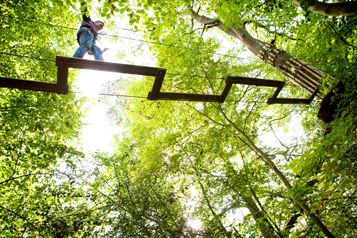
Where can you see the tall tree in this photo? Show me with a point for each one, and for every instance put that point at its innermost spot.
(168, 123)
(136, 199)
(180, 161)
(308, 77)
(204, 78)
(233, 19)
(38, 131)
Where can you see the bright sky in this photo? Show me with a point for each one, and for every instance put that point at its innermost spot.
(294, 133)
(98, 129)
(97, 132)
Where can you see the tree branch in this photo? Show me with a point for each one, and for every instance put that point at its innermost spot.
(20, 216)
(205, 115)
(329, 9)
(342, 38)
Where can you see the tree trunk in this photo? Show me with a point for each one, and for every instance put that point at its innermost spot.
(246, 192)
(291, 222)
(300, 203)
(210, 207)
(259, 216)
(331, 9)
(300, 73)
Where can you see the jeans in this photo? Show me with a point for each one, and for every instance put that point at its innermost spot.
(86, 43)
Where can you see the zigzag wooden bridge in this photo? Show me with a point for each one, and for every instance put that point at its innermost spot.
(64, 63)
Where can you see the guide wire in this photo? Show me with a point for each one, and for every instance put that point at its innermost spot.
(26, 56)
(142, 97)
(130, 38)
(48, 60)
(109, 94)
(123, 95)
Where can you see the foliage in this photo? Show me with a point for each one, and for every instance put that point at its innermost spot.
(38, 130)
(179, 162)
(133, 204)
(289, 28)
(329, 165)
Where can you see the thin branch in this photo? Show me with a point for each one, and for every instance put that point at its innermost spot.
(276, 136)
(205, 115)
(18, 154)
(208, 202)
(245, 176)
(39, 173)
(341, 37)
(246, 90)
(249, 113)
(25, 175)
(262, 4)
(284, 116)
(276, 33)
(20, 216)
(190, 133)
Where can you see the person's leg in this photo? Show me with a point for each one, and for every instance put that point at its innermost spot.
(97, 53)
(86, 43)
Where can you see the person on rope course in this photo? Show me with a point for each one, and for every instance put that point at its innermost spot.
(87, 36)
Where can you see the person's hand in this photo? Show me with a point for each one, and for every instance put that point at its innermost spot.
(105, 49)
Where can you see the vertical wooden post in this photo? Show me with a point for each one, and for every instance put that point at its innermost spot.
(62, 76)
(226, 89)
(157, 84)
(28, 85)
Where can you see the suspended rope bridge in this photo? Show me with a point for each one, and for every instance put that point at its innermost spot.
(64, 63)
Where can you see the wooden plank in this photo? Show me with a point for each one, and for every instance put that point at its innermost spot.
(271, 83)
(62, 77)
(157, 85)
(288, 101)
(253, 81)
(107, 66)
(30, 85)
(275, 100)
(295, 78)
(309, 76)
(188, 97)
(277, 91)
(226, 90)
(313, 95)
